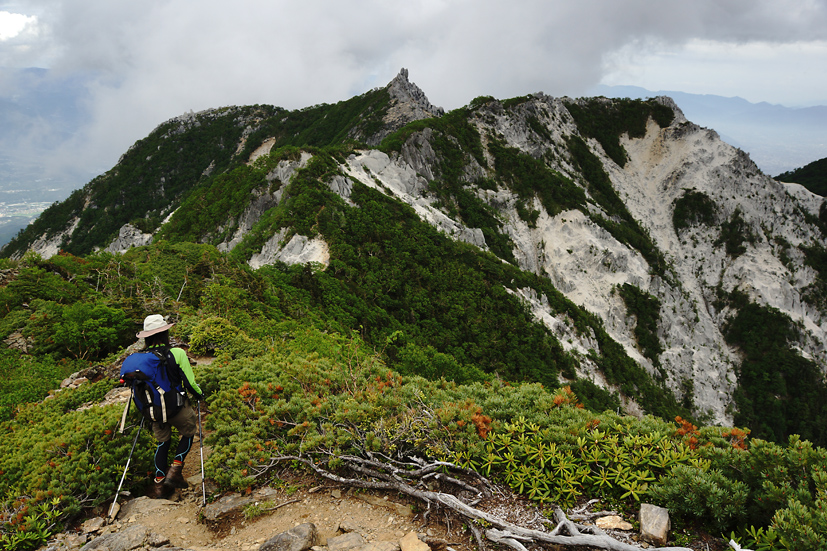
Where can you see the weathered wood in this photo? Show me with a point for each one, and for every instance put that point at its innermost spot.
(383, 476)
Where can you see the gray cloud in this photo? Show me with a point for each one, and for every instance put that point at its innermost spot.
(149, 61)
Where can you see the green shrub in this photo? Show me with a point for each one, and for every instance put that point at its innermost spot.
(27, 523)
(593, 397)
(717, 501)
(216, 335)
(774, 474)
(427, 362)
(606, 120)
(691, 208)
(802, 525)
(646, 310)
(780, 392)
(812, 176)
(529, 177)
(338, 400)
(580, 459)
(734, 233)
(89, 330)
(35, 282)
(26, 379)
(68, 452)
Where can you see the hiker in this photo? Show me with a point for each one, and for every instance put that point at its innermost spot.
(166, 478)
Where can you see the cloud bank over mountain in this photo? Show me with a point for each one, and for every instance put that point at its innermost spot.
(143, 63)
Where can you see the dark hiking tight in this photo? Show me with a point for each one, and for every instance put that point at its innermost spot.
(162, 454)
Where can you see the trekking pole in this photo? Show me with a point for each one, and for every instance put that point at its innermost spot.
(201, 445)
(129, 459)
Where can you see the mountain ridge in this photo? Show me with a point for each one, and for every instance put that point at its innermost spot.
(538, 181)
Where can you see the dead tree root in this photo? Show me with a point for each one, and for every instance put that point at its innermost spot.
(393, 476)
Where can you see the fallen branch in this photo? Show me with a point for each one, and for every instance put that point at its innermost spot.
(582, 513)
(280, 505)
(478, 536)
(380, 476)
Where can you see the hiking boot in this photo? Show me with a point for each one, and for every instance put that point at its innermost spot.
(175, 478)
(159, 490)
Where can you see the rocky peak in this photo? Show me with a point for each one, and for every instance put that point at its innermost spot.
(406, 93)
(407, 103)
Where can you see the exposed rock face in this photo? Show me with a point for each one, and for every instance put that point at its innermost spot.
(402, 181)
(264, 199)
(299, 250)
(411, 99)
(408, 103)
(49, 246)
(17, 341)
(129, 237)
(587, 263)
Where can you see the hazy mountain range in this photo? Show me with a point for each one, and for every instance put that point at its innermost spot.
(777, 138)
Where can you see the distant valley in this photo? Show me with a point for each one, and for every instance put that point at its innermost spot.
(38, 116)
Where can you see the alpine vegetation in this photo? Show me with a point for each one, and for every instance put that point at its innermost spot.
(574, 298)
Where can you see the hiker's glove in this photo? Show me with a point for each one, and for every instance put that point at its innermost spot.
(199, 398)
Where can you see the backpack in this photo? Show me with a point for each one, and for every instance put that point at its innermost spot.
(156, 380)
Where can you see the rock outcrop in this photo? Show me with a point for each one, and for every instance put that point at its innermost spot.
(408, 103)
(129, 237)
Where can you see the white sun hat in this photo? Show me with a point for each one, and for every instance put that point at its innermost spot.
(154, 324)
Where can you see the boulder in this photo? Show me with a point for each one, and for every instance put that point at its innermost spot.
(143, 506)
(227, 506)
(92, 525)
(411, 542)
(345, 542)
(654, 523)
(299, 538)
(129, 236)
(134, 537)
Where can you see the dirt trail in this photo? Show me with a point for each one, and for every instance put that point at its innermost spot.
(376, 517)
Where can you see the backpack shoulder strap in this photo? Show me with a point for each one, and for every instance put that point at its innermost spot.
(174, 370)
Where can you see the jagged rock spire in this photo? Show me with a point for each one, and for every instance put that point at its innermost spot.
(406, 92)
(408, 103)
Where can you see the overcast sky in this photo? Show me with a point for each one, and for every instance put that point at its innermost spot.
(143, 62)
